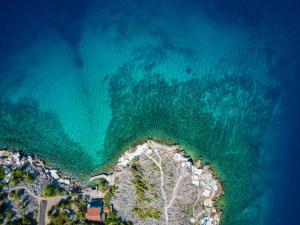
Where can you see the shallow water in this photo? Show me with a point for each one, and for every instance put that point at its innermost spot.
(82, 82)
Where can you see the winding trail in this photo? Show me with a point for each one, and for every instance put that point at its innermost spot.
(25, 188)
(166, 204)
(50, 201)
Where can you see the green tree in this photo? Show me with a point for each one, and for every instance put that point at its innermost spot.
(114, 220)
(51, 191)
(109, 194)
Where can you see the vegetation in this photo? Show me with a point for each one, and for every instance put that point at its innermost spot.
(60, 218)
(6, 214)
(2, 173)
(156, 108)
(65, 204)
(3, 210)
(2, 176)
(50, 191)
(147, 212)
(109, 194)
(140, 184)
(101, 183)
(69, 211)
(25, 220)
(142, 187)
(19, 176)
(114, 220)
(14, 195)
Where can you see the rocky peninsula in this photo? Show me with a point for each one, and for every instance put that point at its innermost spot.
(155, 183)
(152, 183)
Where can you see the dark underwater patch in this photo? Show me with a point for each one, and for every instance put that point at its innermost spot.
(222, 120)
(24, 126)
(22, 22)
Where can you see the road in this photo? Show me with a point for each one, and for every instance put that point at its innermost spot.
(42, 212)
(45, 203)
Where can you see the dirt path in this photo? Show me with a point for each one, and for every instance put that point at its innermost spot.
(51, 201)
(173, 197)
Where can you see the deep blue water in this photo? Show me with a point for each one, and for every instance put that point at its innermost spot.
(86, 79)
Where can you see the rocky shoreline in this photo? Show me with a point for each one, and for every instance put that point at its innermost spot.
(42, 173)
(152, 183)
(174, 183)
(26, 180)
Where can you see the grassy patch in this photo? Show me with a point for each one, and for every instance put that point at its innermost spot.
(109, 194)
(51, 191)
(140, 183)
(19, 176)
(14, 195)
(147, 212)
(142, 187)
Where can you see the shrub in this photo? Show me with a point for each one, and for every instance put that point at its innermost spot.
(109, 194)
(19, 176)
(144, 213)
(51, 191)
(14, 195)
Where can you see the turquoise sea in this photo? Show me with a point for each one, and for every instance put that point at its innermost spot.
(81, 81)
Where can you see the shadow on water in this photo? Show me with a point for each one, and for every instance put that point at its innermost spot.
(251, 13)
(22, 22)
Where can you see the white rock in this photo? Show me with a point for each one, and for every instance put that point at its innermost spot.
(196, 182)
(195, 177)
(123, 162)
(206, 193)
(54, 174)
(179, 157)
(149, 151)
(192, 220)
(64, 181)
(196, 171)
(186, 164)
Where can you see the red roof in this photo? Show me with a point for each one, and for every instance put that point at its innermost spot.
(93, 214)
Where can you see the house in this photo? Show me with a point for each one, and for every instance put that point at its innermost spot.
(96, 211)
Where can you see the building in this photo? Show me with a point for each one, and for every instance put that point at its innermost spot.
(96, 211)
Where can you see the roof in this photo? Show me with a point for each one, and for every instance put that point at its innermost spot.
(93, 214)
(96, 211)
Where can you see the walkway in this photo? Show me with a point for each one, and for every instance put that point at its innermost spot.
(167, 204)
(42, 212)
(45, 204)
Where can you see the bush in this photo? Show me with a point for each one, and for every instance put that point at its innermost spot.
(144, 213)
(14, 195)
(19, 176)
(60, 219)
(114, 220)
(2, 173)
(51, 191)
(109, 194)
(65, 204)
(28, 179)
(81, 204)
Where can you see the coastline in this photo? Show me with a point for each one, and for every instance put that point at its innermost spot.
(123, 162)
(143, 148)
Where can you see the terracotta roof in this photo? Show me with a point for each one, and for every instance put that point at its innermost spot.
(93, 214)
